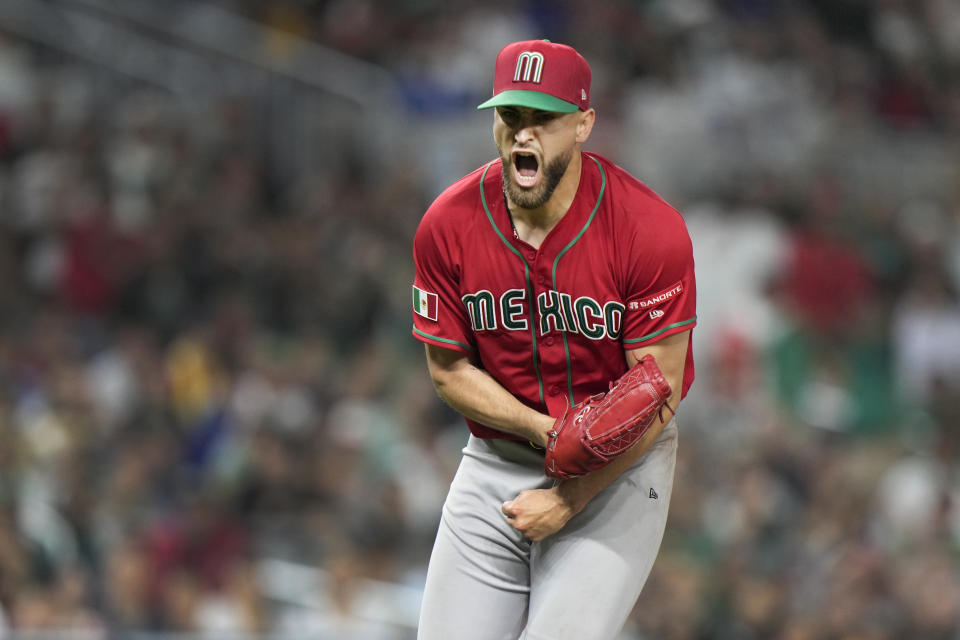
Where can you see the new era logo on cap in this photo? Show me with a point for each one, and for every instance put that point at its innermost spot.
(541, 75)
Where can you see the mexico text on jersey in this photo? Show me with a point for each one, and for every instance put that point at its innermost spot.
(550, 324)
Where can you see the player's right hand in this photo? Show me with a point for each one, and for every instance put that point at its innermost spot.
(538, 513)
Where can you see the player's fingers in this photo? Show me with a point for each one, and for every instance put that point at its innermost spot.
(507, 509)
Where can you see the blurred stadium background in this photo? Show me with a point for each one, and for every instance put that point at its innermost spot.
(215, 424)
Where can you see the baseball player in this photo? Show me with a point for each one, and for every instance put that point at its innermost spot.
(543, 278)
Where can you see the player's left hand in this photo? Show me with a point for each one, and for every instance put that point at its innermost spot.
(538, 513)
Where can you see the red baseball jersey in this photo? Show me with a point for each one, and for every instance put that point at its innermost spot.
(551, 324)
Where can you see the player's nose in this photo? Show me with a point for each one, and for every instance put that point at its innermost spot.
(523, 135)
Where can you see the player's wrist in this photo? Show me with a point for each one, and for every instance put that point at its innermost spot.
(571, 495)
(537, 430)
(542, 430)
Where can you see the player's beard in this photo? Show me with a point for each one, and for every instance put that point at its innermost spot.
(539, 195)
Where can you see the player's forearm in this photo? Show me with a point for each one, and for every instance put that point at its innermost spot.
(477, 395)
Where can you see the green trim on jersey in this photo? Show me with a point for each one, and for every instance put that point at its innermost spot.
(439, 339)
(526, 277)
(596, 207)
(665, 329)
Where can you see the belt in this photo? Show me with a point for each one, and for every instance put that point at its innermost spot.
(516, 450)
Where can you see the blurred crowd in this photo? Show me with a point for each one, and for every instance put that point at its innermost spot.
(205, 356)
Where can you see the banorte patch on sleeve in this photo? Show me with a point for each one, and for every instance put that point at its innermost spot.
(643, 303)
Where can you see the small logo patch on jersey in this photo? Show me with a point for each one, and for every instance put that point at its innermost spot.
(657, 313)
(653, 494)
(425, 303)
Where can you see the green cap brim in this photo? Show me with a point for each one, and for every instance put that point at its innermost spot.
(532, 99)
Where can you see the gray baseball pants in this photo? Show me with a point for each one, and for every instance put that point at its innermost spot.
(486, 581)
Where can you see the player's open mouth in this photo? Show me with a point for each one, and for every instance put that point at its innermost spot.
(526, 168)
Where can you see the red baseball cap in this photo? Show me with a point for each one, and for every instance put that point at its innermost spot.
(541, 75)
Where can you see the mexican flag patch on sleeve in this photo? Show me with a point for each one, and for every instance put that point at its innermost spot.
(425, 303)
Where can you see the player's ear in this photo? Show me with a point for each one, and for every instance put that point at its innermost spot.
(585, 125)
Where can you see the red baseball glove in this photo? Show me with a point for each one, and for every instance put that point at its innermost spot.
(590, 434)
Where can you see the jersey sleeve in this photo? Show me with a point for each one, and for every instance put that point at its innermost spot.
(439, 317)
(661, 292)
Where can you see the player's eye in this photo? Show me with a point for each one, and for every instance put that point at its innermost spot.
(543, 117)
(510, 116)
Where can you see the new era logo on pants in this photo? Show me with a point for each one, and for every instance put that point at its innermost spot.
(653, 494)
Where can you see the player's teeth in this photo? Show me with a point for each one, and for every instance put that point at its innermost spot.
(526, 180)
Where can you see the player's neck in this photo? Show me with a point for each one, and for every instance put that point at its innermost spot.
(533, 225)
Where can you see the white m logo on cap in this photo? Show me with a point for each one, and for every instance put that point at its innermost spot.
(529, 67)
